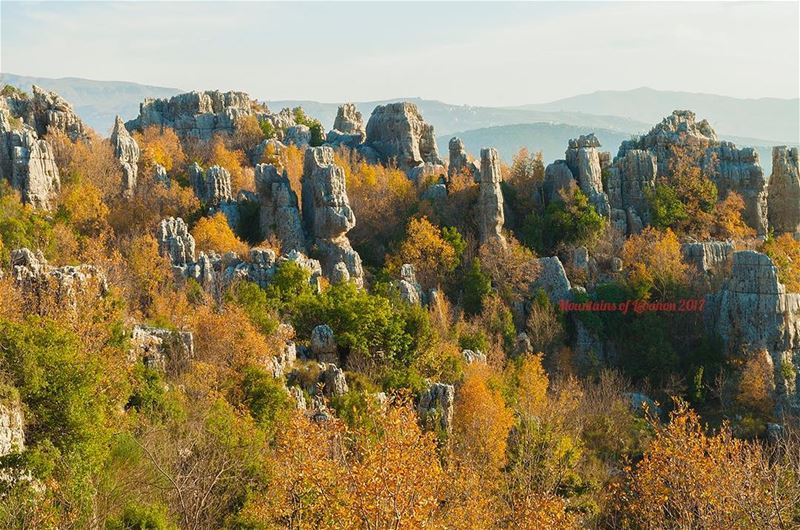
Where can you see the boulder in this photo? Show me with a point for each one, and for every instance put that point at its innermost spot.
(739, 170)
(127, 152)
(51, 111)
(558, 181)
(267, 151)
(212, 186)
(327, 216)
(397, 132)
(334, 382)
(175, 241)
(323, 344)
(279, 208)
(490, 198)
(709, 258)
(583, 161)
(471, 356)
(410, 289)
(161, 349)
(299, 135)
(784, 192)
(552, 279)
(436, 406)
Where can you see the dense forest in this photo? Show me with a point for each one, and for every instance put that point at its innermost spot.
(226, 317)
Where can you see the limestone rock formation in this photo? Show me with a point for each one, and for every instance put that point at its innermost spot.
(27, 162)
(558, 181)
(753, 313)
(194, 114)
(583, 159)
(266, 151)
(709, 258)
(213, 271)
(333, 380)
(175, 242)
(127, 152)
(38, 280)
(730, 168)
(279, 212)
(161, 349)
(299, 135)
(475, 356)
(323, 344)
(552, 279)
(327, 216)
(410, 289)
(51, 111)
(436, 406)
(459, 160)
(398, 133)
(348, 127)
(490, 198)
(160, 175)
(784, 192)
(12, 433)
(212, 186)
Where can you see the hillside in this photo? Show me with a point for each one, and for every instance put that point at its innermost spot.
(770, 118)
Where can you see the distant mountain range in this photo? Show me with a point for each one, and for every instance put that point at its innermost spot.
(612, 115)
(96, 102)
(773, 119)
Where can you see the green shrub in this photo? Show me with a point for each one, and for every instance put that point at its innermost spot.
(142, 517)
(477, 285)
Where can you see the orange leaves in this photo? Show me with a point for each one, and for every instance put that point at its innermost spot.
(481, 421)
(728, 222)
(214, 234)
(425, 248)
(160, 146)
(785, 253)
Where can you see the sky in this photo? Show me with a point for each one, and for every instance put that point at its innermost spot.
(492, 54)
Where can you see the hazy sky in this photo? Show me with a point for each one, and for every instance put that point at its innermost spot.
(472, 53)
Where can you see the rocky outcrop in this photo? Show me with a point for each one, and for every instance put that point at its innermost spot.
(552, 279)
(194, 114)
(160, 175)
(629, 179)
(710, 259)
(12, 425)
(558, 181)
(730, 168)
(40, 281)
(475, 356)
(436, 406)
(323, 344)
(348, 127)
(279, 209)
(753, 313)
(327, 216)
(213, 271)
(162, 349)
(212, 186)
(490, 198)
(45, 111)
(583, 159)
(299, 135)
(333, 380)
(27, 162)
(175, 242)
(784, 192)
(410, 289)
(268, 151)
(398, 134)
(739, 170)
(127, 152)
(459, 160)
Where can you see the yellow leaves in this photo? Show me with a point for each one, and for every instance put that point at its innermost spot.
(214, 234)
(232, 160)
(389, 478)
(532, 386)
(425, 248)
(785, 253)
(654, 262)
(757, 383)
(481, 421)
(83, 205)
(160, 146)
